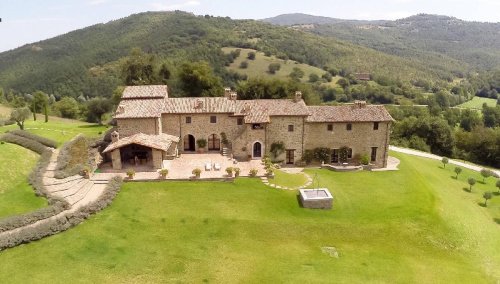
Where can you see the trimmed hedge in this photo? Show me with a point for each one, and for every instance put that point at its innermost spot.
(27, 143)
(73, 157)
(45, 141)
(64, 222)
(18, 221)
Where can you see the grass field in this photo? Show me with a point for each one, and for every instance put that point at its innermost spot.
(57, 129)
(409, 226)
(16, 195)
(477, 103)
(259, 66)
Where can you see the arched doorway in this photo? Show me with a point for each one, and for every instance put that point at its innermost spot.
(257, 150)
(189, 143)
(213, 142)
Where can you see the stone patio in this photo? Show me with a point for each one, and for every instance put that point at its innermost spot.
(182, 167)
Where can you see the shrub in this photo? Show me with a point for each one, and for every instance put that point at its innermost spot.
(251, 55)
(308, 156)
(322, 154)
(253, 172)
(45, 141)
(73, 157)
(236, 171)
(163, 172)
(343, 154)
(201, 143)
(130, 173)
(229, 171)
(196, 172)
(277, 148)
(22, 220)
(30, 144)
(365, 159)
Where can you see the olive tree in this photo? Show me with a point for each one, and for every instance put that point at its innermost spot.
(471, 181)
(487, 195)
(445, 161)
(19, 115)
(486, 174)
(458, 170)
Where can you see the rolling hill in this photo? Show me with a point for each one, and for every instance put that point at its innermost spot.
(438, 39)
(66, 65)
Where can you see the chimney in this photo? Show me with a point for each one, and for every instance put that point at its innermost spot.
(298, 96)
(246, 108)
(227, 92)
(115, 136)
(233, 96)
(359, 104)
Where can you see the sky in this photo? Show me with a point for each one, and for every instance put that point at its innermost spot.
(28, 21)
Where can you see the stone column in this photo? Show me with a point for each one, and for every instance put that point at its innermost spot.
(157, 159)
(116, 159)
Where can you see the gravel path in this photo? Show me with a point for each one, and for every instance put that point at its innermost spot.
(466, 165)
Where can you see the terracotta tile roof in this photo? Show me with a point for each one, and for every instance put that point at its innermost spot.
(201, 105)
(160, 142)
(260, 111)
(348, 113)
(148, 92)
(139, 108)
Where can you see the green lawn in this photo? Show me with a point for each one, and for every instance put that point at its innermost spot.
(414, 225)
(16, 195)
(288, 180)
(58, 129)
(477, 103)
(259, 66)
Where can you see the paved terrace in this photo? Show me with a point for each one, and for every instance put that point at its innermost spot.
(182, 167)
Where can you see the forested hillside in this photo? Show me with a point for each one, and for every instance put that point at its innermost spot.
(430, 38)
(87, 62)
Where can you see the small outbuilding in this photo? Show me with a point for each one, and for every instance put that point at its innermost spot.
(141, 149)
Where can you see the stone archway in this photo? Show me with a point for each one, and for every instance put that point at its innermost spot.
(257, 150)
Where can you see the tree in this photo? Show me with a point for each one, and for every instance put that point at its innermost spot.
(313, 77)
(458, 170)
(244, 64)
(327, 76)
(96, 107)
(67, 107)
(197, 80)
(139, 69)
(487, 195)
(296, 74)
(19, 115)
(251, 55)
(471, 181)
(343, 82)
(277, 148)
(486, 174)
(273, 67)
(164, 73)
(445, 161)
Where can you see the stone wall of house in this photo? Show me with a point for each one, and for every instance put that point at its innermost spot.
(201, 127)
(278, 130)
(116, 160)
(361, 138)
(131, 126)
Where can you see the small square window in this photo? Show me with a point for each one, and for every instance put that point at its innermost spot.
(188, 119)
(239, 121)
(213, 119)
(375, 126)
(290, 128)
(348, 127)
(329, 127)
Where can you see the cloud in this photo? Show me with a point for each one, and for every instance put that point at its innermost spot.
(176, 6)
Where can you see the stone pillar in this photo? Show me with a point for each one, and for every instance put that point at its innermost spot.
(116, 159)
(157, 159)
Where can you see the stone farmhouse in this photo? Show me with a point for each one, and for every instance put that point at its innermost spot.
(152, 127)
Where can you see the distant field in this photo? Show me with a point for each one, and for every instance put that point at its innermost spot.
(4, 111)
(477, 103)
(58, 129)
(259, 66)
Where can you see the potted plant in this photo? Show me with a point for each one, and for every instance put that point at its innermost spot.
(365, 161)
(163, 173)
(130, 173)
(86, 172)
(229, 171)
(196, 172)
(253, 172)
(201, 144)
(236, 172)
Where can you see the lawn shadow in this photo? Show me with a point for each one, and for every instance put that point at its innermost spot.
(299, 201)
(497, 220)
(454, 177)
(482, 204)
(481, 182)
(90, 126)
(496, 193)
(466, 189)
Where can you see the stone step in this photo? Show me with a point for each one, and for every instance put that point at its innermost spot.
(100, 181)
(51, 166)
(80, 194)
(53, 181)
(68, 186)
(91, 196)
(73, 190)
